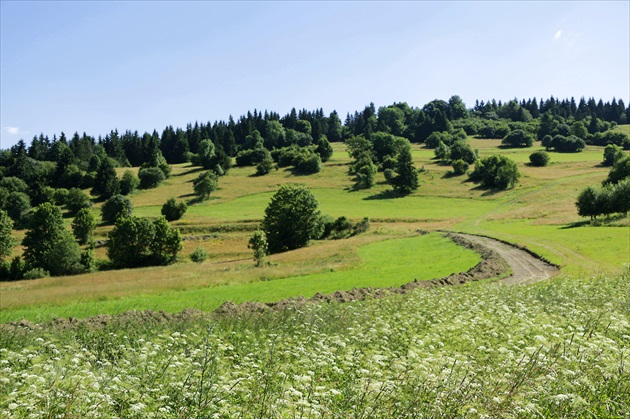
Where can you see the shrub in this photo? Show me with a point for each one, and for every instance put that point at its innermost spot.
(265, 166)
(76, 200)
(619, 171)
(459, 167)
(60, 195)
(389, 162)
(462, 150)
(496, 171)
(612, 153)
(539, 158)
(150, 177)
(364, 173)
(205, 184)
(309, 164)
(258, 243)
(251, 157)
(570, 144)
(172, 211)
(129, 182)
(435, 138)
(286, 156)
(442, 152)
(138, 242)
(342, 228)
(13, 184)
(518, 138)
(324, 149)
(157, 161)
(608, 137)
(36, 273)
(362, 226)
(199, 255)
(116, 207)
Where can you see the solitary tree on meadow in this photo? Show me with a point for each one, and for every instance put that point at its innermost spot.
(291, 218)
(406, 178)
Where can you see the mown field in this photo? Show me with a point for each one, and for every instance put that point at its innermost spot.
(539, 213)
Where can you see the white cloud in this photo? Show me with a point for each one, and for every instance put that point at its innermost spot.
(558, 35)
(14, 131)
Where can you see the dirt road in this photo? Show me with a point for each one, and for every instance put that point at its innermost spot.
(525, 267)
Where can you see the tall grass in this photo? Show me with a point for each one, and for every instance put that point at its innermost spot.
(553, 349)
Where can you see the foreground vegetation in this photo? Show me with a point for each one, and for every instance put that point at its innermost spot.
(552, 349)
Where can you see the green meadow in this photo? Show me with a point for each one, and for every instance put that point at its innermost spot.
(539, 214)
(556, 348)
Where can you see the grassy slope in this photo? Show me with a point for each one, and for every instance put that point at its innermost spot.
(535, 214)
(421, 257)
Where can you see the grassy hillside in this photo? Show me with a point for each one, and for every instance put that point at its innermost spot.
(539, 213)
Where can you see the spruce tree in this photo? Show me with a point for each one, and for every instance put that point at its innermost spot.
(106, 183)
(406, 179)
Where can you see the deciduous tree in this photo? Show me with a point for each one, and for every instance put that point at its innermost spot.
(291, 218)
(83, 226)
(7, 242)
(48, 245)
(258, 243)
(205, 184)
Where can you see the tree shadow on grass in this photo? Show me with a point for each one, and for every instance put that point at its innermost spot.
(194, 169)
(488, 191)
(198, 199)
(450, 174)
(195, 200)
(606, 221)
(576, 224)
(387, 194)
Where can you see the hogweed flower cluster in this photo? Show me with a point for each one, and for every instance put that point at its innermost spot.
(545, 350)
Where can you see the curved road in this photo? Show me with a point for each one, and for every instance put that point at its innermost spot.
(525, 267)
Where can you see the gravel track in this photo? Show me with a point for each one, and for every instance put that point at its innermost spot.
(526, 268)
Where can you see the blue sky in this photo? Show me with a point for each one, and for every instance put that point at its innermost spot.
(95, 66)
